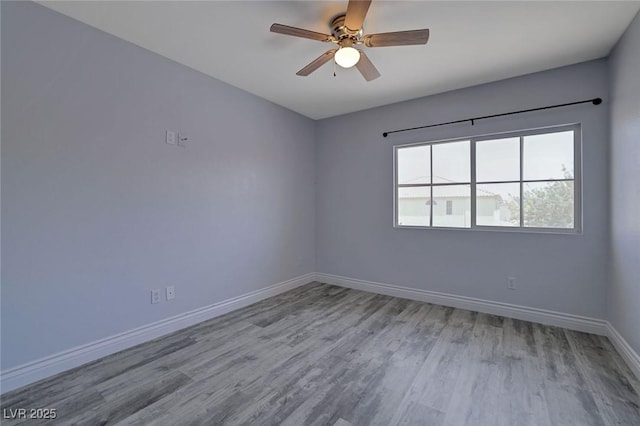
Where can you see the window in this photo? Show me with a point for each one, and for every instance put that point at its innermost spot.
(523, 180)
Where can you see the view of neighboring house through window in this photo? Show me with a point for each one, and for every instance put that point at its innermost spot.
(449, 207)
(518, 180)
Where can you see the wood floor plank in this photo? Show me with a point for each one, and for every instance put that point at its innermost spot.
(569, 400)
(407, 343)
(611, 388)
(130, 401)
(435, 381)
(47, 392)
(522, 393)
(309, 382)
(326, 355)
(477, 391)
(418, 414)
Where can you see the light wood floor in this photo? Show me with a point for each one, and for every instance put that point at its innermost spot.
(324, 355)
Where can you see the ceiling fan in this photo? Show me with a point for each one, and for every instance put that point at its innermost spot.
(347, 32)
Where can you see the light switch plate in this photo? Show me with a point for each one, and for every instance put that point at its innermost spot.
(171, 137)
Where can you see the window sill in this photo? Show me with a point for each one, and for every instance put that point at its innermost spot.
(554, 231)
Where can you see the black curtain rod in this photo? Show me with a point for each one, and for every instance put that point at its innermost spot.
(595, 101)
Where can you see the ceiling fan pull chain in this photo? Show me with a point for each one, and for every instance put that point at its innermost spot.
(334, 68)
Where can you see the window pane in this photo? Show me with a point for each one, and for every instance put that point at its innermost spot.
(459, 197)
(414, 164)
(548, 156)
(451, 162)
(414, 206)
(548, 204)
(498, 160)
(497, 204)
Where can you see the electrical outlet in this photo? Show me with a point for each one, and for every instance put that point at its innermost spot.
(155, 296)
(171, 292)
(182, 140)
(511, 283)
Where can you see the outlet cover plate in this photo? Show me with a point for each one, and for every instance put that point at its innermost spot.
(171, 292)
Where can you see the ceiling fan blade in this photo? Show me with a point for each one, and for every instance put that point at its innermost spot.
(356, 12)
(299, 32)
(399, 38)
(317, 63)
(366, 68)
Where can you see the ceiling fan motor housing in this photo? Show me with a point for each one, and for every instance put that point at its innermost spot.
(341, 32)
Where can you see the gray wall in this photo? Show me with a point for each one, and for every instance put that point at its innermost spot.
(354, 198)
(624, 294)
(97, 210)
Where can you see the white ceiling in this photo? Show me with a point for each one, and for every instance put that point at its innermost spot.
(471, 43)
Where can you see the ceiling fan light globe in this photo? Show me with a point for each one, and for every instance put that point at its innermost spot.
(347, 57)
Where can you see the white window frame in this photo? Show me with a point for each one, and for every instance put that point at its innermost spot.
(577, 180)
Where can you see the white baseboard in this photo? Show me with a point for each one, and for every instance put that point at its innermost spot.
(624, 349)
(45, 367)
(541, 316)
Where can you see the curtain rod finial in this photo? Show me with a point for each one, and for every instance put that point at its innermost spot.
(597, 101)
